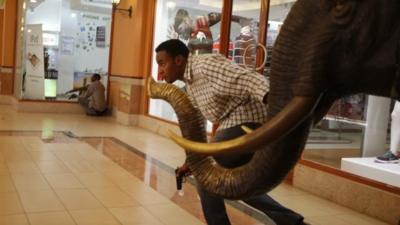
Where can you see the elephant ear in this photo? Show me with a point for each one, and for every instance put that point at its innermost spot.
(343, 11)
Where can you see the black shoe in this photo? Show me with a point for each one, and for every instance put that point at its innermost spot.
(388, 157)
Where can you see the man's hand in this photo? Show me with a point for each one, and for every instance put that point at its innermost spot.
(180, 174)
(184, 170)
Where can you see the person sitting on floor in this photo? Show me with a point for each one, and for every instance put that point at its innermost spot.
(92, 97)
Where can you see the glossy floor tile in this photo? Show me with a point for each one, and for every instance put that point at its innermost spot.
(116, 175)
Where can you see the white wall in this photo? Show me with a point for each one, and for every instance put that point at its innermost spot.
(47, 13)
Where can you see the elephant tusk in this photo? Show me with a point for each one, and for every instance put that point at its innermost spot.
(296, 111)
(247, 129)
(149, 82)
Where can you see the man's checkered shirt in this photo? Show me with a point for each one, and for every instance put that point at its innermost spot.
(224, 92)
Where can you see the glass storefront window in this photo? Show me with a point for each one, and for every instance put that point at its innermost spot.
(61, 44)
(244, 32)
(195, 23)
(356, 129)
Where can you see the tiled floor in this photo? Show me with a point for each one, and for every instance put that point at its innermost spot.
(66, 181)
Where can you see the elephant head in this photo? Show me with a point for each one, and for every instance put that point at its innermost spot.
(326, 49)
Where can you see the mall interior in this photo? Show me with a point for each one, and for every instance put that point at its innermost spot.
(59, 166)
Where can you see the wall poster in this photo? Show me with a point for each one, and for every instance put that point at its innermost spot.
(67, 45)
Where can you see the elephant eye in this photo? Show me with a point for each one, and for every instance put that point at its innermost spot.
(343, 12)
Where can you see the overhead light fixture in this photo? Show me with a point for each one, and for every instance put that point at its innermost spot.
(171, 5)
(32, 4)
(115, 4)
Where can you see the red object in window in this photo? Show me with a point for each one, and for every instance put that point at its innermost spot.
(216, 46)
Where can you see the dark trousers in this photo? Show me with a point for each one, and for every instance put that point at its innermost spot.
(84, 102)
(214, 207)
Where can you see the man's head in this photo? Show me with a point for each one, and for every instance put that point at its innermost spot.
(95, 77)
(171, 57)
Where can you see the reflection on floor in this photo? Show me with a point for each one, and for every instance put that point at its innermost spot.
(66, 181)
(162, 179)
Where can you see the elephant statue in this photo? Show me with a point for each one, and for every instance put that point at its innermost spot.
(326, 49)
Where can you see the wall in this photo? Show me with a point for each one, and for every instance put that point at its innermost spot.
(131, 53)
(7, 61)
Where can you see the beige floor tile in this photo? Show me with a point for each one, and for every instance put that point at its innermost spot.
(18, 219)
(4, 169)
(105, 166)
(2, 157)
(17, 156)
(51, 218)
(54, 167)
(10, 204)
(134, 216)
(39, 156)
(44, 147)
(171, 214)
(6, 184)
(68, 155)
(113, 197)
(311, 206)
(40, 201)
(145, 195)
(285, 190)
(95, 180)
(326, 220)
(63, 181)
(30, 182)
(94, 217)
(123, 178)
(360, 219)
(26, 167)
(74, 199)
(81, 166)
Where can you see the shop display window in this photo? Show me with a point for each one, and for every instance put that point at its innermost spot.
(195, 23)
(356, 129)
(60, 44)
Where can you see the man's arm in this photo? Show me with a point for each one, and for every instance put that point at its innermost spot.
(88, 92)
(77, 89)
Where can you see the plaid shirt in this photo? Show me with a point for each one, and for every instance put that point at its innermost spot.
(224, 92)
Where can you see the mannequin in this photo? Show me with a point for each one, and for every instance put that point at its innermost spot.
(393, 154)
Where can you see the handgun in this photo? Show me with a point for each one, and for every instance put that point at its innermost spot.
(179, 179)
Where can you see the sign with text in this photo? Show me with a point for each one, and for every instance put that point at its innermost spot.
(34, 83)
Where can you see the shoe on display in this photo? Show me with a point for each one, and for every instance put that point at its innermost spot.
(388, 157)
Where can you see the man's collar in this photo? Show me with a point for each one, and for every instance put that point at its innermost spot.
(187, 77)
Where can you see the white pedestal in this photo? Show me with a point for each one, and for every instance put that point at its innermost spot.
(366, 167)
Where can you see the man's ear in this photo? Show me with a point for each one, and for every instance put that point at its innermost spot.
(179, 60)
